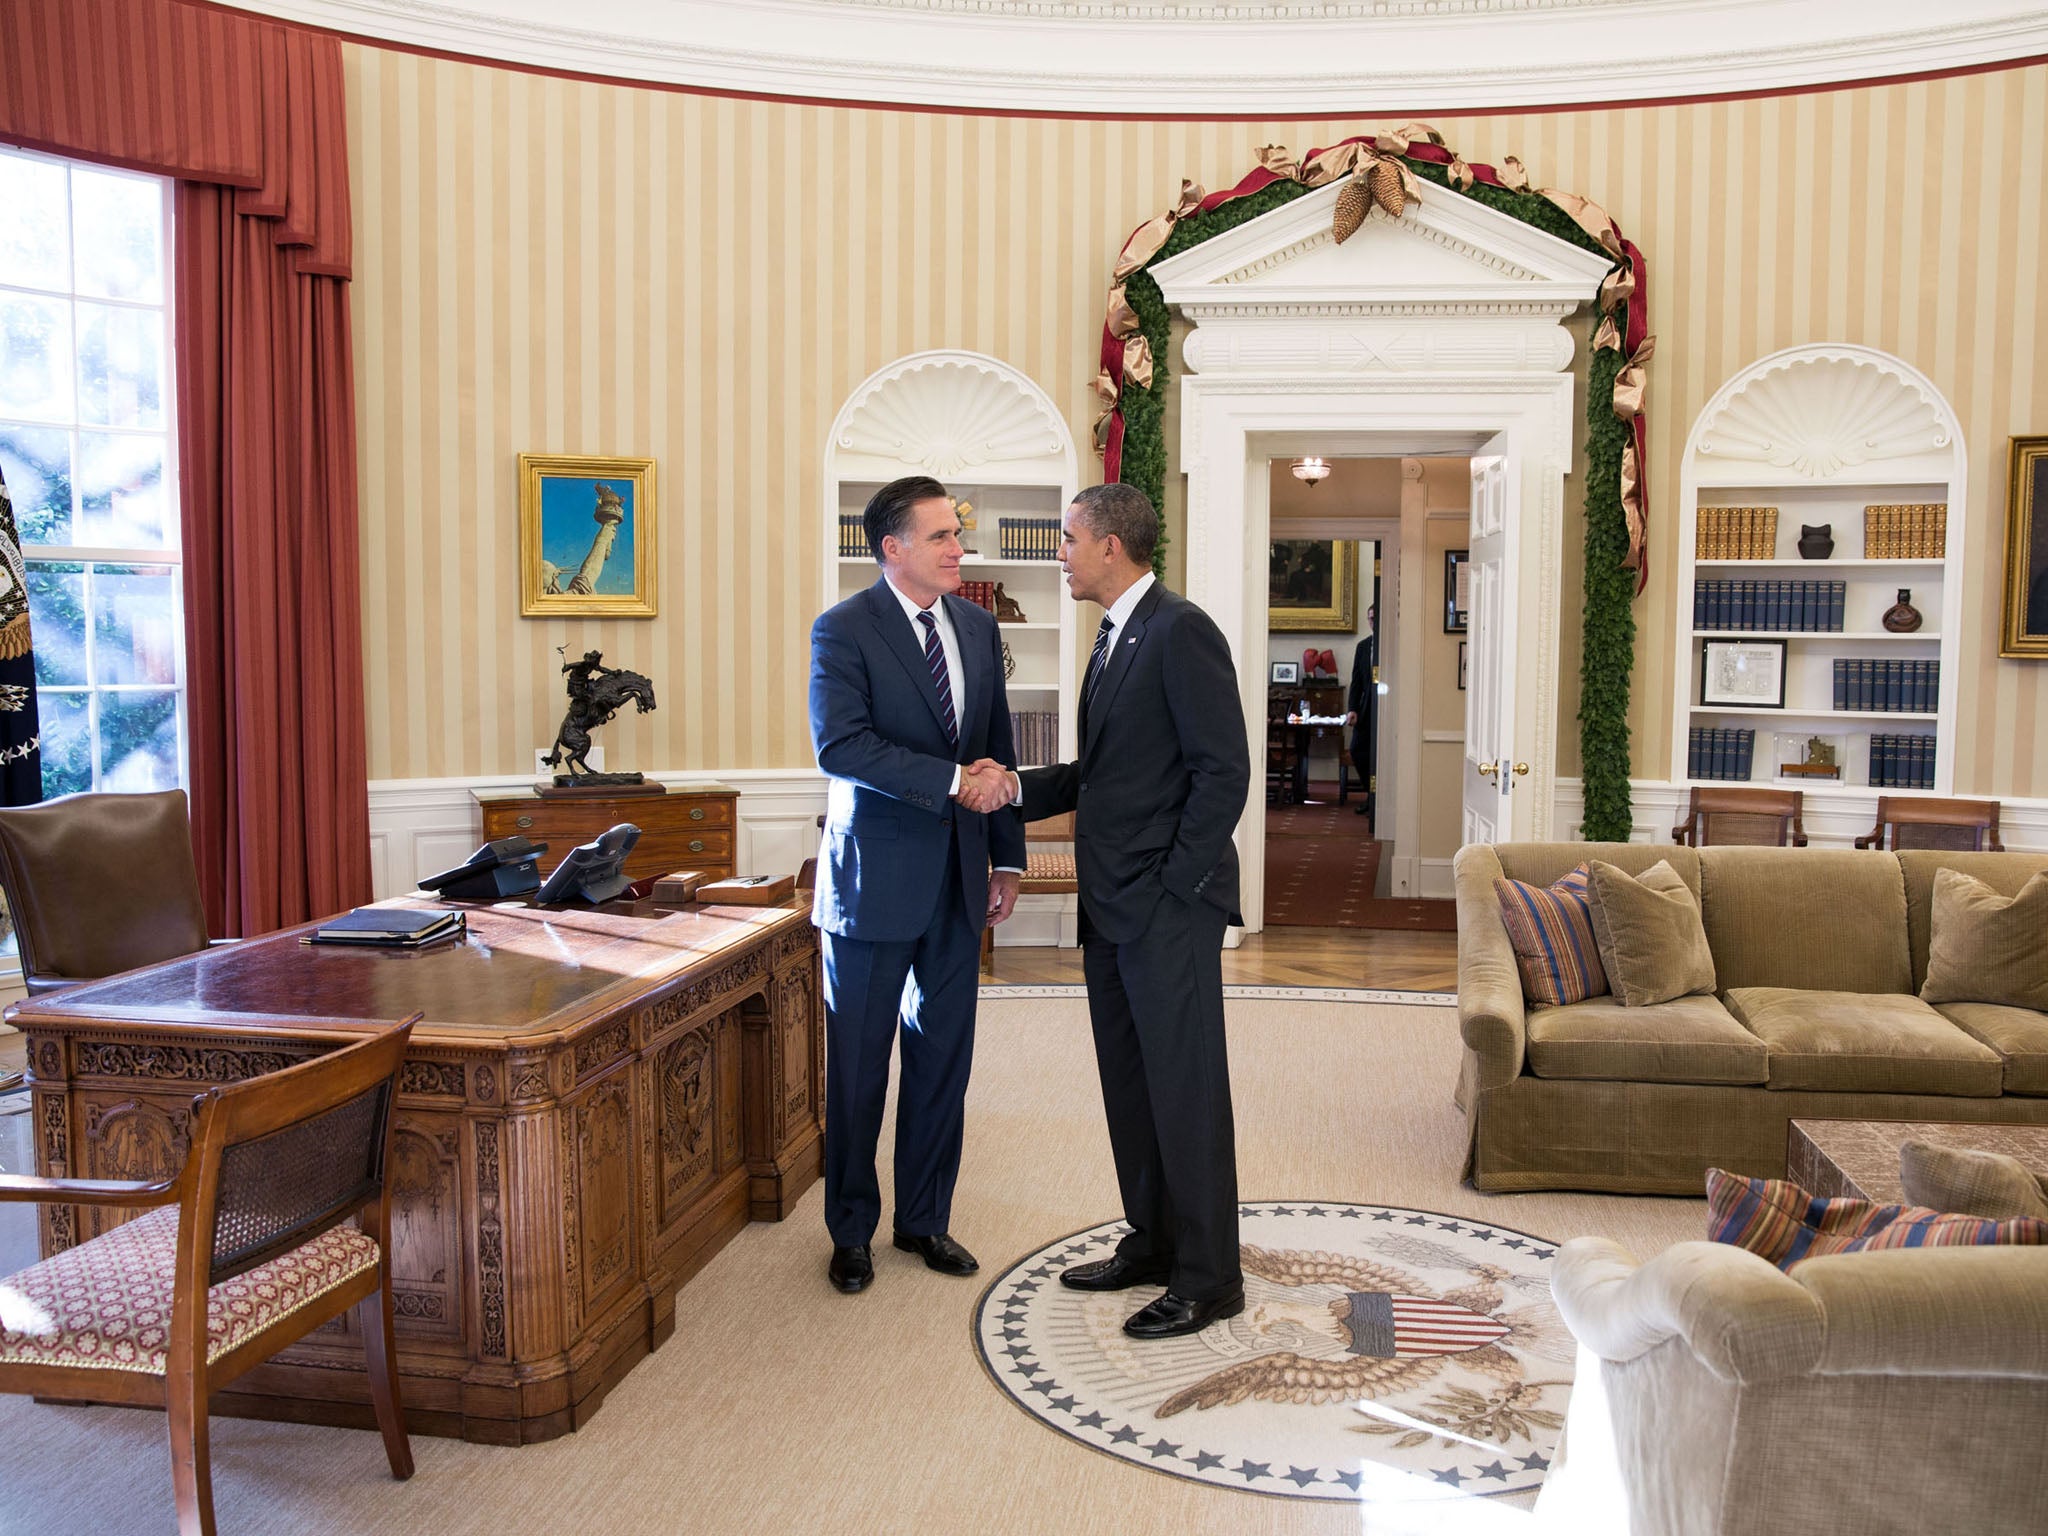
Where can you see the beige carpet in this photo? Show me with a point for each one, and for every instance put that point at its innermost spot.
(781, 1406)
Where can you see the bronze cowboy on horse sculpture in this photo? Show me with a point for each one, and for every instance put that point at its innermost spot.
(596, 693)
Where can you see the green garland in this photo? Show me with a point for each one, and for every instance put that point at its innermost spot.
(1608, 654)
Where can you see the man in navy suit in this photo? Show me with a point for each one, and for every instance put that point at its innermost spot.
(906, 690)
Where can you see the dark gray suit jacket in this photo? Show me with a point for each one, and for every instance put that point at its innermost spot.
(1163, 772)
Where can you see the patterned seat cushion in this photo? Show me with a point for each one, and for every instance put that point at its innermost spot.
(106, 1304)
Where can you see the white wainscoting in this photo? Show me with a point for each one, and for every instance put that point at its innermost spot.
(1831, 819)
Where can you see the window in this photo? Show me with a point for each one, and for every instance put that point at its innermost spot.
(86, 446)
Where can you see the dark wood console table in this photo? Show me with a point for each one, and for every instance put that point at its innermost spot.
(594, 1104)
(690, 827)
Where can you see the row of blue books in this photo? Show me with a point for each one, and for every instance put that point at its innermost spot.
(1719, 752)
(1804, 607)
(1873, 683)
(1029, 538)
(1902, 762)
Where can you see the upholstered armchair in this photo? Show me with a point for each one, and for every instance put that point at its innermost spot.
(1862, 1394)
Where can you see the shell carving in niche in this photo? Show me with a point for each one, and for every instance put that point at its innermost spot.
(1818, 417)
(947, 418)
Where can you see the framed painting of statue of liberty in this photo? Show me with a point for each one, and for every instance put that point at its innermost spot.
(586, 536)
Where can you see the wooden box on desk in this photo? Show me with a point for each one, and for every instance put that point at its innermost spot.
(690, 827)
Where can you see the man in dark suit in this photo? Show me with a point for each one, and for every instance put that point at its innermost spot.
(1159, 787)
(906, 688)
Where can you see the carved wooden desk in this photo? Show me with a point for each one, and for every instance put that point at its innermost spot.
(595, 1102)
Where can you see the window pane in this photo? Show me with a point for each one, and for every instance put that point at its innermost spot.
(56, 616)
(67, 743)
(120, 366)
(35, 357)
(121, 492)
(122, 219)
(138, 741)
(34, 248)
(37, 464)
(135, 626)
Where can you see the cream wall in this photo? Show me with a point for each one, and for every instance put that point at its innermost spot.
(559, 266)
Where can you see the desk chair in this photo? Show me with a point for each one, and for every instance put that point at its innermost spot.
(256, 1230)
(1721, 817)
(100, 884)
(1914, 822)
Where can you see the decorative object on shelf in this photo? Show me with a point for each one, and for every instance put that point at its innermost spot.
(1902, 618)
(2024, 629)
(1736, 533)
(1008, 610)
(1009, 662)
(569, 568)
(1326, 664)
(1312, 585)
(1801, 756)
(1746, 673)
(1311, 472)
(1457, 590)
(596, 693)
(1461, 665)
(1916, 531)
(964, 510)
(1286, 672)
(1816, 542)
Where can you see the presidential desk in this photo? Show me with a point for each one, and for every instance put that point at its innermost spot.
(595, 1102)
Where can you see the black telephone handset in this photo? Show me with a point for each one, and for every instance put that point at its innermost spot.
(508, 866)
(592, 871)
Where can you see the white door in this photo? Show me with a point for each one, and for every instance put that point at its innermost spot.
(1490, 579)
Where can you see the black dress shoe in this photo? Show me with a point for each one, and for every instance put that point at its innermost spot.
(939, 1252)
(1115, 1273)
(852, 1268)
(1171, 1316)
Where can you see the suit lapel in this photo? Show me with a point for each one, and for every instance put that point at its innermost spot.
(972, 682)
(1117, 665)
(886, 614)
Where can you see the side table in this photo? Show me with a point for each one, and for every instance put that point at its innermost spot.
(689, 827)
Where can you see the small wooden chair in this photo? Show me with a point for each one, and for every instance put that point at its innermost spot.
(247, 1249)
(1915, 822)
(1046, 872)
(1717, 816)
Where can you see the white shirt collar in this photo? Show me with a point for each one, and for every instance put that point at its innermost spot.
(911, 610)
(1121, 610)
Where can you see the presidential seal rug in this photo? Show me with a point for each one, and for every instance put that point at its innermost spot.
(1383, 1355)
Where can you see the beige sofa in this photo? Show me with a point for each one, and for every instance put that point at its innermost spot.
(1818, 955)
(1864, 1394)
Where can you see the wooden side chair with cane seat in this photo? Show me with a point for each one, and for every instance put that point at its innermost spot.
(279, 1222)
(1717, 816)
(1912, 821)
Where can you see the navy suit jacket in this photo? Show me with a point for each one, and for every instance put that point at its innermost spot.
(890, 821)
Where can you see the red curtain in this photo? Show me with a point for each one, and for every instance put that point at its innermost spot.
(248, 114)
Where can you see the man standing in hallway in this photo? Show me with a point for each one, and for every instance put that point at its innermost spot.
(906, 687)
(1158, 789)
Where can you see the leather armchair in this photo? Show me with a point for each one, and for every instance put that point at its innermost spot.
(99, 884)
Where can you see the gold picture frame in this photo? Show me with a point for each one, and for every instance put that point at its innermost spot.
(586, 536)
(1312, 586)
(2023, 630)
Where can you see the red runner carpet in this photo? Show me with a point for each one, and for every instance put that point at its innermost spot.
(1322, 866)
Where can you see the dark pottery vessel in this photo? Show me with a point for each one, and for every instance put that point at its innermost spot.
(1902, 618)
(1816, 543)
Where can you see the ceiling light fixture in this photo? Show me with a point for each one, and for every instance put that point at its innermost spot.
(1313, 471)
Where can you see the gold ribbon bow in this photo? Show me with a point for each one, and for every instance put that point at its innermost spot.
(1148, 237)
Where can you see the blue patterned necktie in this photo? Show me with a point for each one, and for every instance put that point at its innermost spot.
(935, 658)
(1097, 660)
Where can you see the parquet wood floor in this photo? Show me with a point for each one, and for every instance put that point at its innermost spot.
(1285, 957)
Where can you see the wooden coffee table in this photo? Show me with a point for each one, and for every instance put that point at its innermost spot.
(1860, 1158)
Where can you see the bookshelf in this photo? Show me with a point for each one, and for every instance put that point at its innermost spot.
(996, 441)
(1819, 434)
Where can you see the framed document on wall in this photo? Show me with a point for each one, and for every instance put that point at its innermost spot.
(1457, 591)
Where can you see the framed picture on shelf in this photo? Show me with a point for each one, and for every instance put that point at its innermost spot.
(2024, 632)
(1312, 585)
(586, 536)
(1461, 665)
(1749, 674)
(1457, 591)
(1286, 672)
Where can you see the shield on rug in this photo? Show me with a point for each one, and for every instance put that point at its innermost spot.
(1383, 1355)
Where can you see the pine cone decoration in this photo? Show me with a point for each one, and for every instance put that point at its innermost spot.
(1384, 182)
(1350, 211)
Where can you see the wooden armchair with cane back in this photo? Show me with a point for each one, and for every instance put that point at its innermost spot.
(279, 1222)
(1926, 821)
(1717, 816)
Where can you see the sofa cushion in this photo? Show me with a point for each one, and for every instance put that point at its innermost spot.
(1687, 1040)
(1775, 918)
(1986, 948)
(1863, 1042)
(1971, 1182)
(2020, 1035)
(2005, 873)
(1551, 929)
(1651, 942)
(1782, 1223)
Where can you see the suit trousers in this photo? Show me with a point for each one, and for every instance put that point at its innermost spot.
(929, 985)
(1156, 1005)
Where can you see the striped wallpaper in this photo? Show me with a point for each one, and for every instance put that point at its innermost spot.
(556, 266)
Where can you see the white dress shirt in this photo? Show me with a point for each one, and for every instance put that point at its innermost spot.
(1119, 615)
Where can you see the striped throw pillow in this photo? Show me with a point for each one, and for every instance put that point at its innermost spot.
(1551, 929)
(1781, 1222)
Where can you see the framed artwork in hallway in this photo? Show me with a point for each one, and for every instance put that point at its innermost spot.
(1312, 585)
(586, 536)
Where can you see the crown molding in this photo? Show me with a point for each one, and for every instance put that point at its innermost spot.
(1198, 59)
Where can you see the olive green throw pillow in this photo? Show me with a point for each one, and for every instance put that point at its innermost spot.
(1652, 944)
(1970, 1182)
(1986, 948)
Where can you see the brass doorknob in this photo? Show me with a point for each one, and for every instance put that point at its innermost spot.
(1490, 771)
(1520, 769)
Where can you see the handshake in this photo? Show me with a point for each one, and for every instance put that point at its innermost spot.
(985, 786)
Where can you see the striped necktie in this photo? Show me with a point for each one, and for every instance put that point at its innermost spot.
(935, 658)
(1097, 660)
